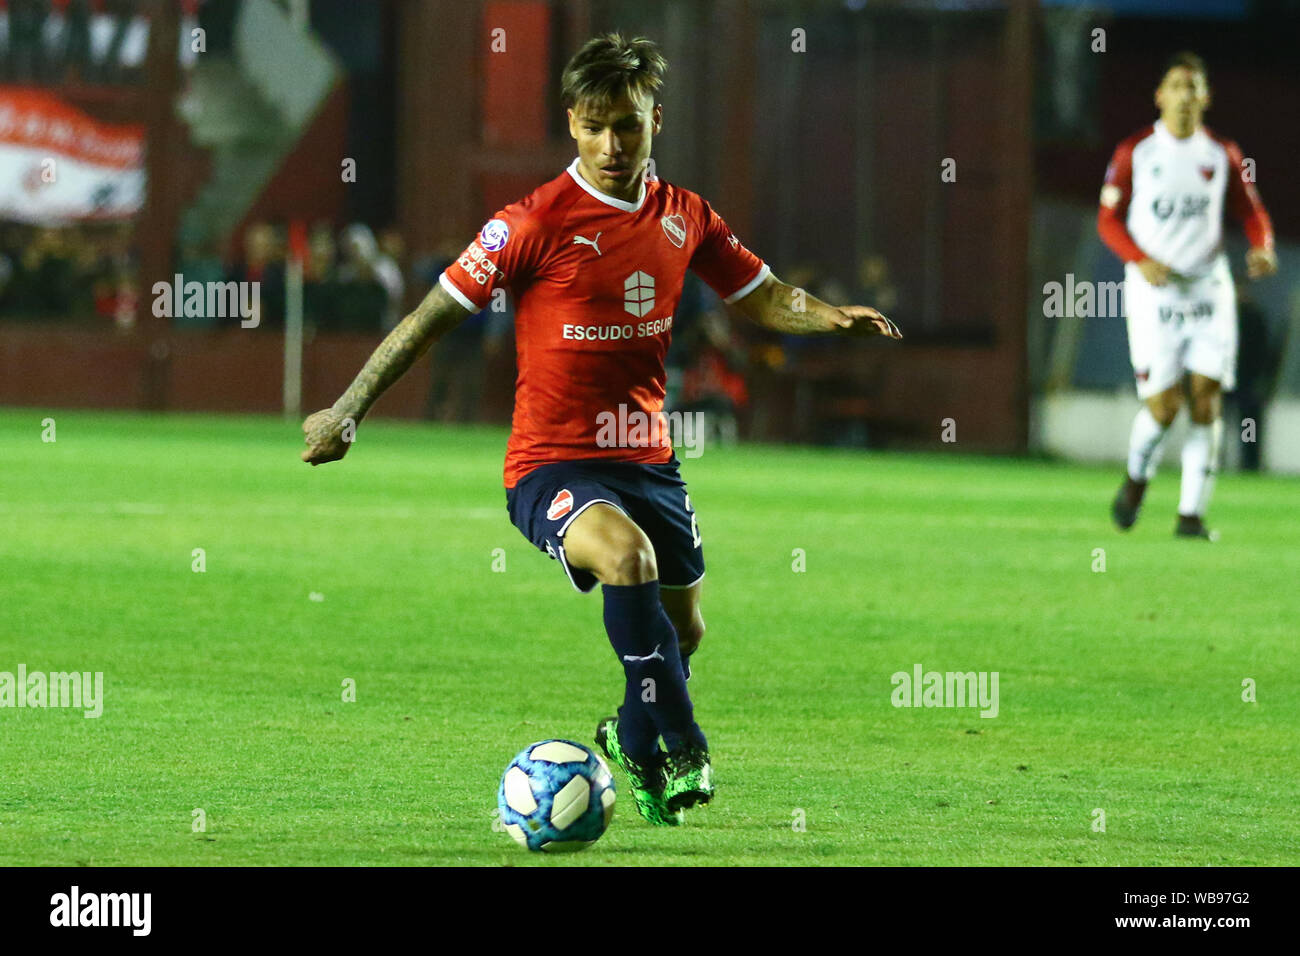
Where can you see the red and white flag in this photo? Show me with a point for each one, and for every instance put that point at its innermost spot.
(58, 165)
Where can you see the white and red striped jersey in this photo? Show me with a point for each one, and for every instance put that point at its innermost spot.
(1164, 199)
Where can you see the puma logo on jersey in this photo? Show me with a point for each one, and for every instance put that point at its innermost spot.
(652, 656)
(584, 241)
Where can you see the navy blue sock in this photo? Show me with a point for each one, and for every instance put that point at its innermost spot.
(639, 629)
(637, 732)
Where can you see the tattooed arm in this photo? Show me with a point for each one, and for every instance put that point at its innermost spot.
(329, 432)
(783, 308)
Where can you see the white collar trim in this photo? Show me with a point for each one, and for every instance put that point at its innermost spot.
(607, 200)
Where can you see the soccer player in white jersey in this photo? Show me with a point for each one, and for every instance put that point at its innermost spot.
(1162, 213)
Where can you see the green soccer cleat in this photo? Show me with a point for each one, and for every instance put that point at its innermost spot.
(647, 784)
(690, 778)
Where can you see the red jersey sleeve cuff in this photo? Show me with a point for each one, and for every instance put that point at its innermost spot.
(459, 296)
(749, 286)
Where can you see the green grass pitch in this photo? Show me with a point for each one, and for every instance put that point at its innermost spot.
(1120, 691)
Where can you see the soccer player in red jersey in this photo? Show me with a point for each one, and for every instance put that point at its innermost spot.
(596, 258)
(1162, 213)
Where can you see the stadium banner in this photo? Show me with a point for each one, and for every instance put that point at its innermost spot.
(58, 164)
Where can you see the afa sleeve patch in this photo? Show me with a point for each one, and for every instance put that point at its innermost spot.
(494, 235)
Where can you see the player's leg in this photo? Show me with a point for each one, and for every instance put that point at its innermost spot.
(1145, 446)
(605, 542)
(661, 506)
(690, 773)
(683, 608)
(575, 514)
(1155, 347)
(1212, 364)
(1200, 456)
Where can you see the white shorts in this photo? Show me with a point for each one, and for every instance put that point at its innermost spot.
(1183, 326)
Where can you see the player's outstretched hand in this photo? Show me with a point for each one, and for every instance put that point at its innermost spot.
(327, 435)
(864, 320)
(1157, 273)
(1261, 262)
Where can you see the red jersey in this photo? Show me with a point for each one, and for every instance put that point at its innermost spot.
(596, 281)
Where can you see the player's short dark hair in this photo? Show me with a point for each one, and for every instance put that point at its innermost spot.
(1189, 60)
(608, 66)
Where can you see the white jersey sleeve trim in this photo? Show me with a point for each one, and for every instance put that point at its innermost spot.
(457, 294)
(749, 286)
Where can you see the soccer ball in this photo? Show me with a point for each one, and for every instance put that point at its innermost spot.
(556, 795)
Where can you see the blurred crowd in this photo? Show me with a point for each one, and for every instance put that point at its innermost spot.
(88, 41)
(362, 282)
(353, 280)
(75, 271)
(714, 356)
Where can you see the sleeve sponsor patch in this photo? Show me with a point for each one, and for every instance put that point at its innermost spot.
(494, 234)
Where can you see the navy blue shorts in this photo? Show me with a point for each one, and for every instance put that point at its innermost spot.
(547, 499)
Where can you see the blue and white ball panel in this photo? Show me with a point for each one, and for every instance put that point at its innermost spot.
(555, 796)
(519, 792)
(559, 751)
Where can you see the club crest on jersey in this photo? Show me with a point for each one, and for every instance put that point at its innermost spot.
(494, 235)
(674, 229)
(1207, 173)
(561, 505)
